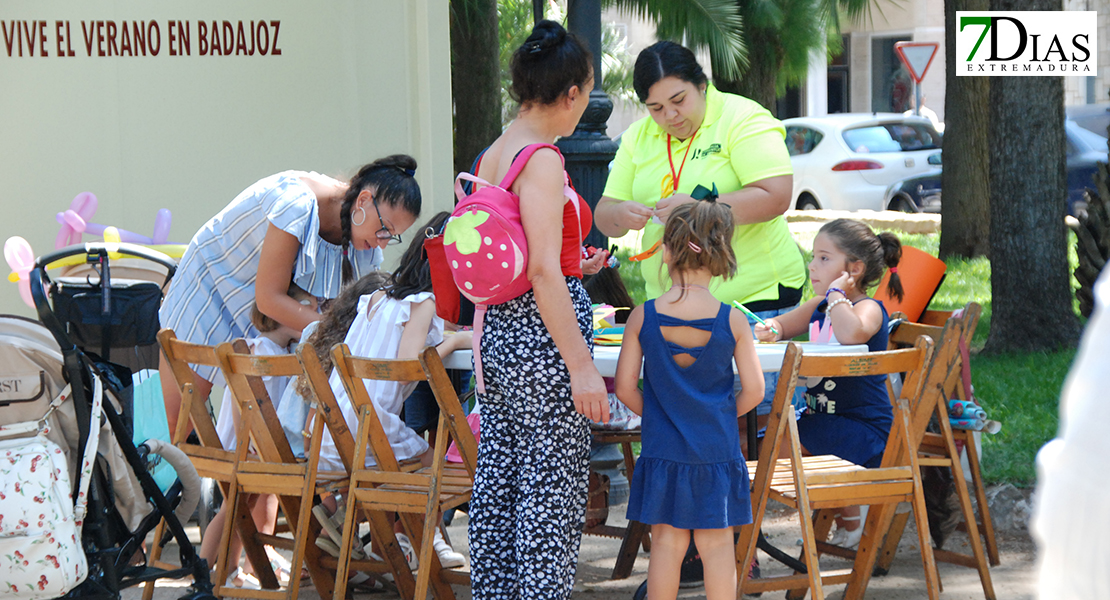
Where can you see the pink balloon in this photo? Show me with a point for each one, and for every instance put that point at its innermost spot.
(83, 206)
(20, 257)
(74, 220)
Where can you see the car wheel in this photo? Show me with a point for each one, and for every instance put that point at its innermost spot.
(807, 202)
(902, 204)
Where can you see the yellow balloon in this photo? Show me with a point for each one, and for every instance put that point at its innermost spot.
(112, 241)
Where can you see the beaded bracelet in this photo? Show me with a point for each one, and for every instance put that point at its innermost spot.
(834, 303)
(834, 289)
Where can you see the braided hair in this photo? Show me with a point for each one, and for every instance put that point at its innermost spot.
(392, 180)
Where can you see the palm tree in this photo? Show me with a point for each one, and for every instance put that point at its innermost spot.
(476, 42)
(776, 38)
(475, 78)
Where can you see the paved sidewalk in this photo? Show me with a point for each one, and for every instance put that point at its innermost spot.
(1014, 579)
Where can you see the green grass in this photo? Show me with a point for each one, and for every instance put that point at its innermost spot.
(1022, 391)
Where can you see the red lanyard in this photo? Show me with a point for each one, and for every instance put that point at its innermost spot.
(670, 159)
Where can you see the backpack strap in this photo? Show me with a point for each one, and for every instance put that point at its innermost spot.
(568, 191)
(521, 159)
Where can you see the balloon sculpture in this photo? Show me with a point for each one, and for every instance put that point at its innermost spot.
(75, 222)
(21, 259)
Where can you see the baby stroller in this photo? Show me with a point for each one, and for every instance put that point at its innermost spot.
(84, 400)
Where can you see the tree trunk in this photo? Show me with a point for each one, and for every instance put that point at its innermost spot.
(475, 78)
(759, 81)
(1030, 287)
(965, 210)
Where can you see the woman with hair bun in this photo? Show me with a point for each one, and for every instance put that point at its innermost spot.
(293, 227)
(541, 386)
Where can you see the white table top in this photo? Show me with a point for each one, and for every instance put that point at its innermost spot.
(605, 357)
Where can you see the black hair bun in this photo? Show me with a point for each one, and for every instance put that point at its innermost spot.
(546, 34)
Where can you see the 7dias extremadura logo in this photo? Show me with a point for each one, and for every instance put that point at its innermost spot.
(1026, 43)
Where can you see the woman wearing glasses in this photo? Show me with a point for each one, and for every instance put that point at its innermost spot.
(292, 227)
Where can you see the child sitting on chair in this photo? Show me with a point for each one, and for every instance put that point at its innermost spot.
(396, 322)
(293, 412)
(848, 417)
(607, 287)
(274, 338)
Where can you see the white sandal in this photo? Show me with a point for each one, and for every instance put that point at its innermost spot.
(849, 538)
(331, 539)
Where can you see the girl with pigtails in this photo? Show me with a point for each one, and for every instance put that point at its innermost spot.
(849, 417)
(691, 475)
(294, 227)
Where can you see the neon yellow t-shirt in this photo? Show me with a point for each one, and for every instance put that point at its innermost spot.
(738, 142)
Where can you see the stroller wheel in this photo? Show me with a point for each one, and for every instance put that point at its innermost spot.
(210, 500)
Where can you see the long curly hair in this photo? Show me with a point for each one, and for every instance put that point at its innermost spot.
(337, 319)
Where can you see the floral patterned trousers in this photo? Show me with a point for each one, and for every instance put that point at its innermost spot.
(529, 501)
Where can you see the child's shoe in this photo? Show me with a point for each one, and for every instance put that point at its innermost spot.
(408, 551)
(242, 580)
(448, 558)
(846, 538)
(754, 573)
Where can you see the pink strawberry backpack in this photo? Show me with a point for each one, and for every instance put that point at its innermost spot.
(485, 245)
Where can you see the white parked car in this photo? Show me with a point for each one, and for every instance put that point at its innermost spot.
(847, 161)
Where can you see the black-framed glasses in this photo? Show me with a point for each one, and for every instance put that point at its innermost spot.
(384, 233)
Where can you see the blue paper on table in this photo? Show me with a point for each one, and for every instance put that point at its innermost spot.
(150, 423)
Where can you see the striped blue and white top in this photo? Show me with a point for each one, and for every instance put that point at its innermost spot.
(210, 297)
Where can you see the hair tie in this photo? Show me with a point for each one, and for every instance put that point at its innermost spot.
(694, 247)
(893, 270)
(534, 47)
(705, 194)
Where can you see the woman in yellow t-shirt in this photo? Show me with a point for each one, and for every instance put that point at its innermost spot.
(697, 135)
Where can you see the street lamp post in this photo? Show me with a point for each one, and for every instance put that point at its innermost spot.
(589, 150)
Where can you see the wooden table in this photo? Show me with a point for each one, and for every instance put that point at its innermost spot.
(605, 358)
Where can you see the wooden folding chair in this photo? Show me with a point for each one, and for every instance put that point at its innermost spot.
(272, 469)
(823, 482)
(327, 409)
(940, 449)
(210, 458)
(635, 534)
(418, 496)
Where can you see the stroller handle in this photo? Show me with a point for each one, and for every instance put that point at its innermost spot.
(100, 248)
(95, 251)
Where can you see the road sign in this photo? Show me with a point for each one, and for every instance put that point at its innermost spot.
(917, 56)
